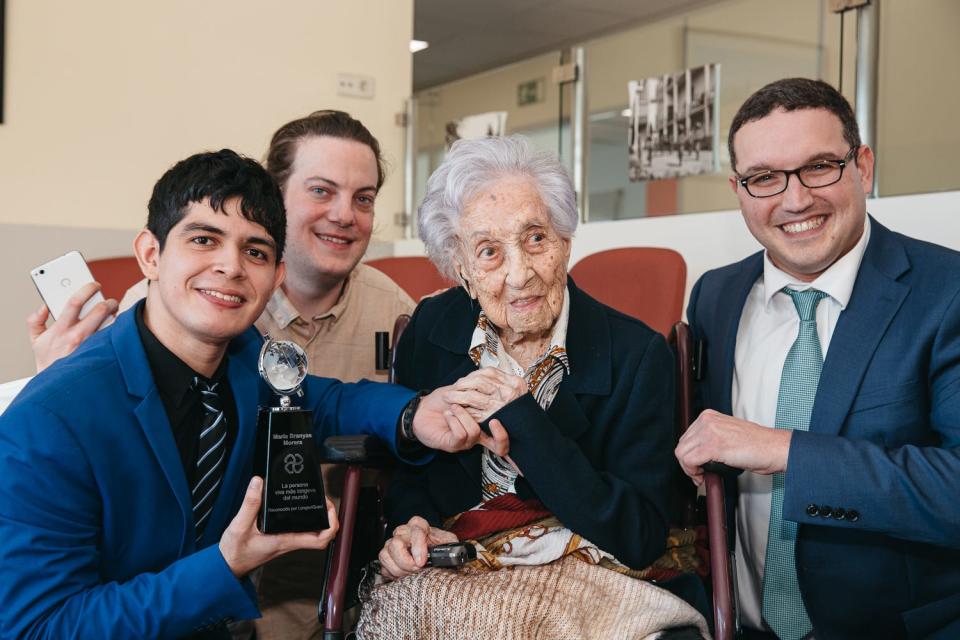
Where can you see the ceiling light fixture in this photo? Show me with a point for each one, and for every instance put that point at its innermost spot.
(418, 45)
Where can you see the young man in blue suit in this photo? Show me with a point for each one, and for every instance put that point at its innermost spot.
(120, 515)
(845, 338)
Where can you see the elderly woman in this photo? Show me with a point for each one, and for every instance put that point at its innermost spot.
(585, 396)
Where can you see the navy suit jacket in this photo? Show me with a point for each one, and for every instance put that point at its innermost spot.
(96, 523)
(883, 441)
(599, 458)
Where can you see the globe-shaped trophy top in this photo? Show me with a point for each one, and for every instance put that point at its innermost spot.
(283, 366)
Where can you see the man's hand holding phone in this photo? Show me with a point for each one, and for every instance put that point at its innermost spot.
(73, 300)
(61, 338)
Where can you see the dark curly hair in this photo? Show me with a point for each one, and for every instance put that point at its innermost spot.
(218, 176)
(791, 94)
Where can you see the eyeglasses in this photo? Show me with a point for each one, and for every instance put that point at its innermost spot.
(822, 173)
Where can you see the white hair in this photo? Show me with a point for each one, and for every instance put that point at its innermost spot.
(472, 165)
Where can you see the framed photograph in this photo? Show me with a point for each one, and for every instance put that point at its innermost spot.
(673, 124)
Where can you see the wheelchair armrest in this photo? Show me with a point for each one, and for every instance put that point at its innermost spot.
(361, 450)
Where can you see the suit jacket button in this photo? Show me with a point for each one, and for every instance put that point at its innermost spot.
(853, 515)
(839, 513)
(813, 510)
(826, 511)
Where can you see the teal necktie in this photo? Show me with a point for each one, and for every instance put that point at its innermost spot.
(783, 608)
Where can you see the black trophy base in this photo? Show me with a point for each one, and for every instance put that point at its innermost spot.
(286, 458)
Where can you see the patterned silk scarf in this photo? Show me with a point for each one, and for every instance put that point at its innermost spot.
(498, 474)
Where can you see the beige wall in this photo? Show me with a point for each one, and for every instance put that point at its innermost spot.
(102, 97)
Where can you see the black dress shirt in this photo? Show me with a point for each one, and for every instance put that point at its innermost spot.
(181, 399)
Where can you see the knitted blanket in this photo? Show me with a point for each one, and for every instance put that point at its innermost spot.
(535, 581)
(567, 599)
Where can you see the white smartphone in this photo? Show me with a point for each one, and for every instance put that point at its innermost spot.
(60, 278)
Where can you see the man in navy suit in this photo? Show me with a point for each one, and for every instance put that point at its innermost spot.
(120, 517)
(845, 337)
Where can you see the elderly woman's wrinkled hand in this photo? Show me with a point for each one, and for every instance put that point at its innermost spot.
(486, 391)
(406, 552)
(448, 426)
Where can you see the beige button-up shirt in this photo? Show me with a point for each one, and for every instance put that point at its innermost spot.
(339, 343)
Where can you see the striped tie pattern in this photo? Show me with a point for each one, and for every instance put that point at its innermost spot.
(782, 605)
(498, 475)
(211, 455)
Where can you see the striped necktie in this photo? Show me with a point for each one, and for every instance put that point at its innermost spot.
(211, 455)
(782, 605)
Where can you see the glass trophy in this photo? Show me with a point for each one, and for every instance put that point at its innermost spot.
(286, 455)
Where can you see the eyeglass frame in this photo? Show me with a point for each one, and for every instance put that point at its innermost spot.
(796, 172)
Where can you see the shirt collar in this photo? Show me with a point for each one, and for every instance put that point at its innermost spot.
(174, 377)
(837, 281)
(284, 313)
(281, 309)
(485, 344)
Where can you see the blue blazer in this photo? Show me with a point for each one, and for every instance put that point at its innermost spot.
(599, 458)
(882, 442)
(96, 524)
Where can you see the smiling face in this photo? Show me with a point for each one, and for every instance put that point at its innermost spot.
(514, 261)
(211, 281)
(803, 230)
(329, 198)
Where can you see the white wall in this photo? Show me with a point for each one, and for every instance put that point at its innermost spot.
(710, 240)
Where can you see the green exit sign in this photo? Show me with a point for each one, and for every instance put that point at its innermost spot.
(531, 92)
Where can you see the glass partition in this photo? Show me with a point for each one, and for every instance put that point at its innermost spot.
(754, 42)
(534, 103)
(918, 98)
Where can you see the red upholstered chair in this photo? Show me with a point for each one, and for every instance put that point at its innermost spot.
(648, 283)
(415, 274)
(116, 275)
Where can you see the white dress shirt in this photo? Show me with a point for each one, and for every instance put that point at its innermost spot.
(768, 327)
